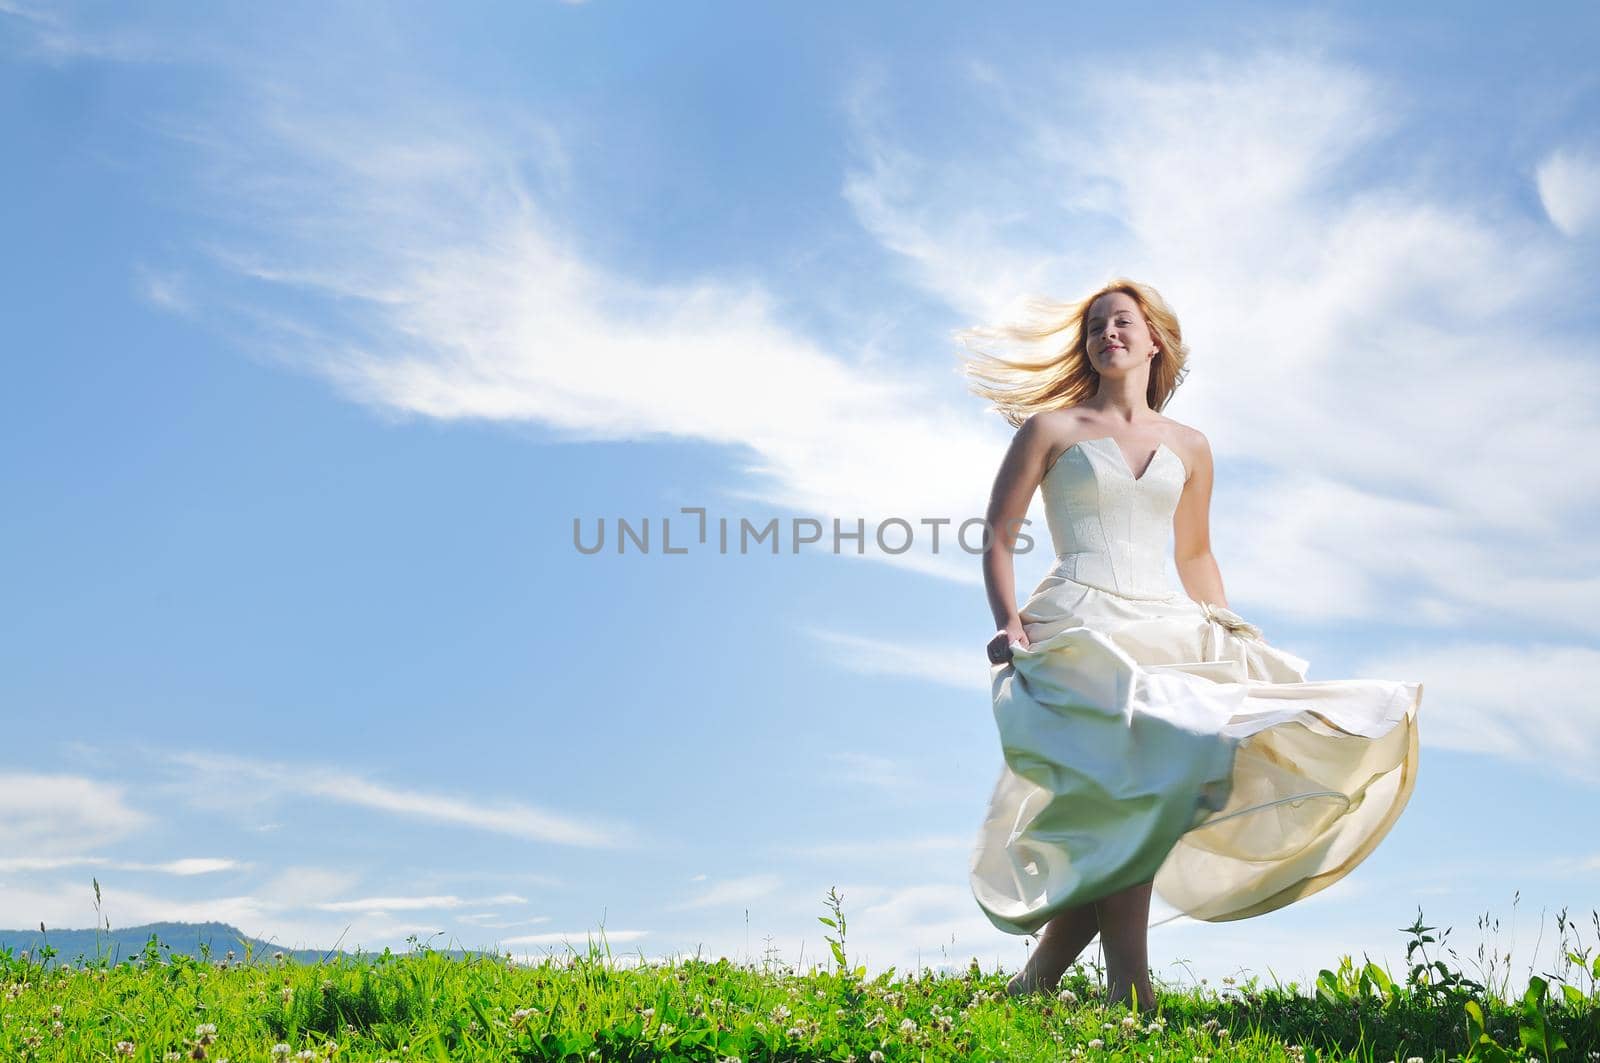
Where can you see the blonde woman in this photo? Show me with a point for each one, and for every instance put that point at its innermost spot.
(1152, 738)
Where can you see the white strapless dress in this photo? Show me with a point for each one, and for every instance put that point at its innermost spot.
(1149, 736)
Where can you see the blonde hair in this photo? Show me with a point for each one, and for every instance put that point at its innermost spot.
(1020, 389)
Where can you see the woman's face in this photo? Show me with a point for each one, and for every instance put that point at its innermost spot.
(1117, 335)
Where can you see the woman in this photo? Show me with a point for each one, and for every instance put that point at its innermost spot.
(1152, 739)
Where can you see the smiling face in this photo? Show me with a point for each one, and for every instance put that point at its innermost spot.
(1116, 334)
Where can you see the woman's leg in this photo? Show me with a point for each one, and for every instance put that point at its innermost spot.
(1124, 919)
(1063, 938)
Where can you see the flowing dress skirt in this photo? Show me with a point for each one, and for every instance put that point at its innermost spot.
(1162, 738)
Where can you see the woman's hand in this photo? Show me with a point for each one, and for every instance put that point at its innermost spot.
(1000, 645)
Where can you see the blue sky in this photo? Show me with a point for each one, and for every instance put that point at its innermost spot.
(323, 327)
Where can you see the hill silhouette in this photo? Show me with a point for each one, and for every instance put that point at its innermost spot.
(188, 939)
(124, 943)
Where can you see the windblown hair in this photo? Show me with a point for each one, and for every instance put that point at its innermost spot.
(1020, 388)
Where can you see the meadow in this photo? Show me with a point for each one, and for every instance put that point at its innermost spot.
(162, 1005)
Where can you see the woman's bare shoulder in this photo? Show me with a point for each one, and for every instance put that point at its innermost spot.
(1057, 423)
(1191, 443)
(1055, 430)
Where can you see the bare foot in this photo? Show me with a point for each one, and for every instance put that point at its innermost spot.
(1036, 975)
(1025, 982)
(1122, 996)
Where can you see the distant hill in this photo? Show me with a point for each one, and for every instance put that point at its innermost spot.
(124, 943)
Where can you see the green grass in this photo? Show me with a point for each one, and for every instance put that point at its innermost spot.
(424, 1005)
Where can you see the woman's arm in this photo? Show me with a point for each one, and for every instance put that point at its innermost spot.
(1191, 528)
(1020, 472)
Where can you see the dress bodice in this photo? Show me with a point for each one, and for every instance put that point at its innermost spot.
(1110, 529)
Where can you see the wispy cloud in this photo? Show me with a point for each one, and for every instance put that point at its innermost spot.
(205, 772)
(496, 921)
(1534, 704)
(575, 938)
(1311, 283)
(195, 865)
(461, 293)
(63, 815)
(54, 38)
(165, 289)
(886, 774)
(72, 904)
(1569, 188)
(955, 666)
(891, 848)
(733, 891)
(407, 904)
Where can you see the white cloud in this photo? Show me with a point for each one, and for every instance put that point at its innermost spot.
(963, 668)
(494, 921)
(892, 848)
(194, 865)
(732, 892)
(55, 39)
(165, 289)
(1569, 188)
(465, 297)
(72, 904)
(269, 780)
(891, 776)
(62, 815)
(1533, 703)
(1350, 329)
(306, 887)
(407, 904)
(578, 939)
